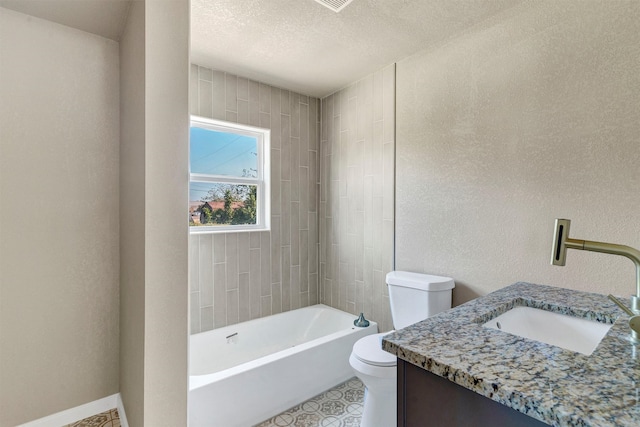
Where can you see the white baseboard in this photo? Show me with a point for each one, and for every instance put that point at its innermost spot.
(123, 416)
(79, 412)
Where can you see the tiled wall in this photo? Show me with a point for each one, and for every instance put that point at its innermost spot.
(241, 276)
(357, 196)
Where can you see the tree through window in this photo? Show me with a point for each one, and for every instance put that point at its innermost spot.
(229, 176)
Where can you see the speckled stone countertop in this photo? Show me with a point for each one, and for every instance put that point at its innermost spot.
(556, 386)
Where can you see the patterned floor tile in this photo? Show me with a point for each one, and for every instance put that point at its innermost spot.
(340, 406)
(105, 419)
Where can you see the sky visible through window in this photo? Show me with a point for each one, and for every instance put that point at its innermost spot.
(219, 153)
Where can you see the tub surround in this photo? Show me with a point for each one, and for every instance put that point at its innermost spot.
(548, 383)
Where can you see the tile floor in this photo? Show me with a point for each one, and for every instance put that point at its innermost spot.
(105, 419)
(339, 407)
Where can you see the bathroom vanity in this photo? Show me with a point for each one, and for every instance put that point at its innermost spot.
(454, 371)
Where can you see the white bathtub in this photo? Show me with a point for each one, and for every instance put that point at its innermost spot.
(245, 373)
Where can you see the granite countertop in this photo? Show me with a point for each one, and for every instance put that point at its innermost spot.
(556, 386)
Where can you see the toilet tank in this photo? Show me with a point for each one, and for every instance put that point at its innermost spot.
(414, 296)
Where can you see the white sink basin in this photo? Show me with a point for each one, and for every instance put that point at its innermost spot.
(570, 333)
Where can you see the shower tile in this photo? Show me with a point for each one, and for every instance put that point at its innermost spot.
(254, 243)
(254, 103)
(294, 168)
(205, 270)
(304, 260)
(206, 318)
(231, 258)
(304, 135)
(286, 278)
(194, 264)
(313, 182)
(219, 243)
(295, 287)
(231, 92)
(304, 200)
(232, 307)
(243, 89)
(243, 112)
(276, 198)
(265, 263)
(276, 298)
(243, 252)
(276, 250)
(244, 297)
(285, 147)
(219, 296)
(193, 90)
(313, 243)
(231, 116)
(285, 102)
(194, 308)
(295, 233)
(265, 304)
(265, 98)
(313, 289)
(219, 95)
(265, 120)
(295, 114)
(205, 98)
(255, 283)
(205, 73)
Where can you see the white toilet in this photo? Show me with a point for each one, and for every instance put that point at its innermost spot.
(413, 297)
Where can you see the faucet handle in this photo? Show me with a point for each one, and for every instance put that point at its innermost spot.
(361, 322)
(560, 236)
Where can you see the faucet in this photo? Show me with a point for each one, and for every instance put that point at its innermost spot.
(562, 242)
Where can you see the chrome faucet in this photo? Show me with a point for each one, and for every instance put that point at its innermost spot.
(562, 242)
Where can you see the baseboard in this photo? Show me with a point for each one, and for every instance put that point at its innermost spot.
(121, 413)
(79, 412)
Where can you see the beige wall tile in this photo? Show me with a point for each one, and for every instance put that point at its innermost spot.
(356, 172)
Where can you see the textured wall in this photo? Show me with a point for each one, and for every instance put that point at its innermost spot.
(166, 240)
(240, 276)
(531, 116)
(58, 218)
(132, 218)
(357, 196)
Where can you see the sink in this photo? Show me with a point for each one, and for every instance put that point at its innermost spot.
(568, 332)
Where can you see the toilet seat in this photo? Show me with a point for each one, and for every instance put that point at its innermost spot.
(369, 350)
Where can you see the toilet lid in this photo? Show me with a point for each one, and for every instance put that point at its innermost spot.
(369, 350)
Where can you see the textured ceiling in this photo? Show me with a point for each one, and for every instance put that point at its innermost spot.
(105, 18)
(303, 46)
(294, 44)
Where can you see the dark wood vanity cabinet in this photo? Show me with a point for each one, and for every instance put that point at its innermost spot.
(427, 400)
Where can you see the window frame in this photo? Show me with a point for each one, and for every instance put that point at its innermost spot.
(262, 181)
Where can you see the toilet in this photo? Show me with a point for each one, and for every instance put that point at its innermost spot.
(413, 297)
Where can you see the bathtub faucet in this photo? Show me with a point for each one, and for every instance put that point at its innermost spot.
(562, 242)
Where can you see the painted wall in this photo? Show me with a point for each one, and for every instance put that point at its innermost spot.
(58, 218)
(154, 273)
(530, 116)
(241, 276)
(357, 196)
(166, 235)
(132, 214)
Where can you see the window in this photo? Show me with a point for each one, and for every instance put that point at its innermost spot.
(228, 177)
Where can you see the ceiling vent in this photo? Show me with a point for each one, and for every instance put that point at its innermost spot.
(335, 5)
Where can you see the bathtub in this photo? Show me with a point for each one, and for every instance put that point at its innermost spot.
(242, 374)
